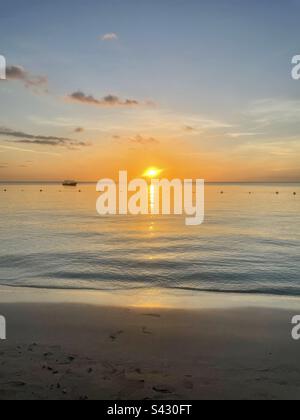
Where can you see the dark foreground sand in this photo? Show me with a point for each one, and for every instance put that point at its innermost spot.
(74, 351)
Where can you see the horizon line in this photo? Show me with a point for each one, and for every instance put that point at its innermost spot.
(95, 182)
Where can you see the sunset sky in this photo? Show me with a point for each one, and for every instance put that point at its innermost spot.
(196, 88)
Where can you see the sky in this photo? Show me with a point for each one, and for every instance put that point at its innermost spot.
(198, 88)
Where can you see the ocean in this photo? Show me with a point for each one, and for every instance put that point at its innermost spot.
(54, 238)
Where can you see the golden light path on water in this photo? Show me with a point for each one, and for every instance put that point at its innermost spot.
(152, 198)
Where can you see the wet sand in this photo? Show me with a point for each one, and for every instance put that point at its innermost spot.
(79, 351)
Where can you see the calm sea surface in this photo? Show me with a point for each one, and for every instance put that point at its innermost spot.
(55, 239)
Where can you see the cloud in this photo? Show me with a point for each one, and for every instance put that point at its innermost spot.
(107, 101)
(143, 140)
(25, 138)
(242, 134)
(270, 111)
(18, 149)
(112, 36)
(139, 140)
(29, 80)
(190, 129)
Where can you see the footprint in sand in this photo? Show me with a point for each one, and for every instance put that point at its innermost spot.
(188, 385)
(162, 390)
(113, 337)
(48, 354)
(146, 331)
(16, 384)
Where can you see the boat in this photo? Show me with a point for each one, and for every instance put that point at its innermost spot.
(68, 183)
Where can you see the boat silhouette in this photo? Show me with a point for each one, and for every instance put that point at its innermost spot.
(69, 183)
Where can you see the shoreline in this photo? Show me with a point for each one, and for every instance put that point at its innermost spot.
(151, 298)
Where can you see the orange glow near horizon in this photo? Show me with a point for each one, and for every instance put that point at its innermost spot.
(177, 161)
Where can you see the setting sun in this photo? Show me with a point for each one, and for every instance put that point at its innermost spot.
(152, 172)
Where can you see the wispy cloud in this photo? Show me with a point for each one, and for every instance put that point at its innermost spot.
(189, 129)
(108, 101)
(19, 149)
(79, 130)
(242, 134)
(28, 79)
(138, 139)
(111, 36)
(269, 111)
(25, 138)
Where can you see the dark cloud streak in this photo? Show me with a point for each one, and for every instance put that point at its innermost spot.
(107, 101)
(29, 80)
(25, 138)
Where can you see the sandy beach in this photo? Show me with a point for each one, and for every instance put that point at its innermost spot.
(96, 351)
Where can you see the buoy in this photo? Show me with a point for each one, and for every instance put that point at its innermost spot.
(294, 193)
(277, 193)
